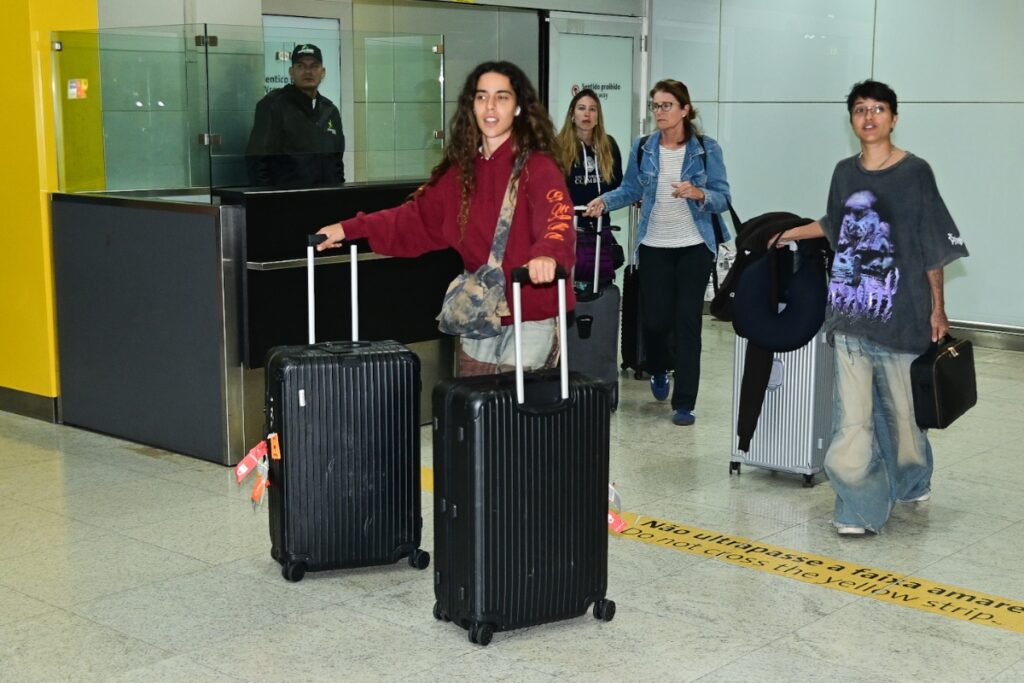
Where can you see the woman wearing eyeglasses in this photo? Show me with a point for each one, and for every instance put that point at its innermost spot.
(595, 166)
(680, 177)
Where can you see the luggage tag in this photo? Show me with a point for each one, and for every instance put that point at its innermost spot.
(275, 446)
(259, 489)
(615, 521)
(250, 462)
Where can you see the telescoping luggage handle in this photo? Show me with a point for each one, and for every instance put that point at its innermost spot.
(519, 276)
(314, 240)
(597, 244)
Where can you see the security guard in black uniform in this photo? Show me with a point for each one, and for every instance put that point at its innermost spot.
(296, 138)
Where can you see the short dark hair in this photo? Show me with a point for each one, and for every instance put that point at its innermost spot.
(873, 90)
(681, 93)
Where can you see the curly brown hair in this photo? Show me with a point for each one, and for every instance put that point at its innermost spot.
(532, 131)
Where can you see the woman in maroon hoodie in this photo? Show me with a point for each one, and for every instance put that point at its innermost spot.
(499, 123)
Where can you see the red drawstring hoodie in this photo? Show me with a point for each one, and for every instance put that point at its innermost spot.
(541, 226)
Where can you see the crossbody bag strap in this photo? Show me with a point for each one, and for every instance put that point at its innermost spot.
(508, 208)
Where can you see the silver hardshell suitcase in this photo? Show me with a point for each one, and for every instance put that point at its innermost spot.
(795, 427)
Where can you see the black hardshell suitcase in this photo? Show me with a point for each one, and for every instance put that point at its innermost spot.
(520, 500)
(346, 490)
(633, 356)
(594, 338)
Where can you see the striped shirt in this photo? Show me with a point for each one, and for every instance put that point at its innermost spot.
(671, 223)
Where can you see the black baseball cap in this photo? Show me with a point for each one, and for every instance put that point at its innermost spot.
(307, 50)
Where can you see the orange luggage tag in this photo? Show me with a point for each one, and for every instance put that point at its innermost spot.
(250, 462)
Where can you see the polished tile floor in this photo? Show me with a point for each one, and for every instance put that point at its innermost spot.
(120, 562)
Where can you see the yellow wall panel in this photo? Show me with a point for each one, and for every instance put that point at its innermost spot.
(27, 340)
(81, 114)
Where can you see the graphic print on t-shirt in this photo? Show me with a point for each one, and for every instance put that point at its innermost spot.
(864, 278)
(589, 171)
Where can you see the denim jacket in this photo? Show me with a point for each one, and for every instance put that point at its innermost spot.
(705, 168)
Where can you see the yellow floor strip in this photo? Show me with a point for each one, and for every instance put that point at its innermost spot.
(889, 587)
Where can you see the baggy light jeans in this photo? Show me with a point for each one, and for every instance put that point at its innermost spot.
(878, 455)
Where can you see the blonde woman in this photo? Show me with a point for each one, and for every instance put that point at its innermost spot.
(594, 166)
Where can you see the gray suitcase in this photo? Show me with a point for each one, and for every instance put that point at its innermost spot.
(795, 427)
(594, 338)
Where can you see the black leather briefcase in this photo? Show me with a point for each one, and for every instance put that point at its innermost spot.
(943, 383)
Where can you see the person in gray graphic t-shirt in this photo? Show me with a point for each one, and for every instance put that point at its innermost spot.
(892, 237)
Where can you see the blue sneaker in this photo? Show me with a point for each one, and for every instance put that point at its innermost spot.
(659, 386)
(683, 417)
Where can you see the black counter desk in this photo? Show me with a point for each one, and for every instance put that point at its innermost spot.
(165, 308)
(398, 297)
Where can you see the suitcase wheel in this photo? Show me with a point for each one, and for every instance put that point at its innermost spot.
(293, 571)
(734, 467)
(439, 613)
(604, 609)
(480, 634)
(419, 559)
(808, 481)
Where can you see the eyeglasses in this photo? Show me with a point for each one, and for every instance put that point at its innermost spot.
(663, 106)
(874, 109)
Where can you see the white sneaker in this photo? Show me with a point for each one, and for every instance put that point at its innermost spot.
(850, 530)
(920, 499)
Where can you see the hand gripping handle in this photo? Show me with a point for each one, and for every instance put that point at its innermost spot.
(519, 276)
(311, 242)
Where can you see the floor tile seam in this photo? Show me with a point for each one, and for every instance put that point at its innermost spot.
(959, 554)
(119, 534)
(21, 555)
(716, 508)
(493, 650)
(213, 668)
(926, 626)
(74, 607)
(32, 460)
(135, 525)
(119, 632)
(231, 496)
(408, 627)
(1006, 670)
(1002, 485)
(770, 647)
(131, 459)
(207, 563)
(38, 508)
(23, 594)
(940, 504)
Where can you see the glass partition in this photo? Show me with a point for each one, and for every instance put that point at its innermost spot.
(170, 110)
(399, 110)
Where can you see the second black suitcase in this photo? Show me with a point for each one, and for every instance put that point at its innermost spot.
(520, 500)
(594, 339)
(346, 489)
(633, 355)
